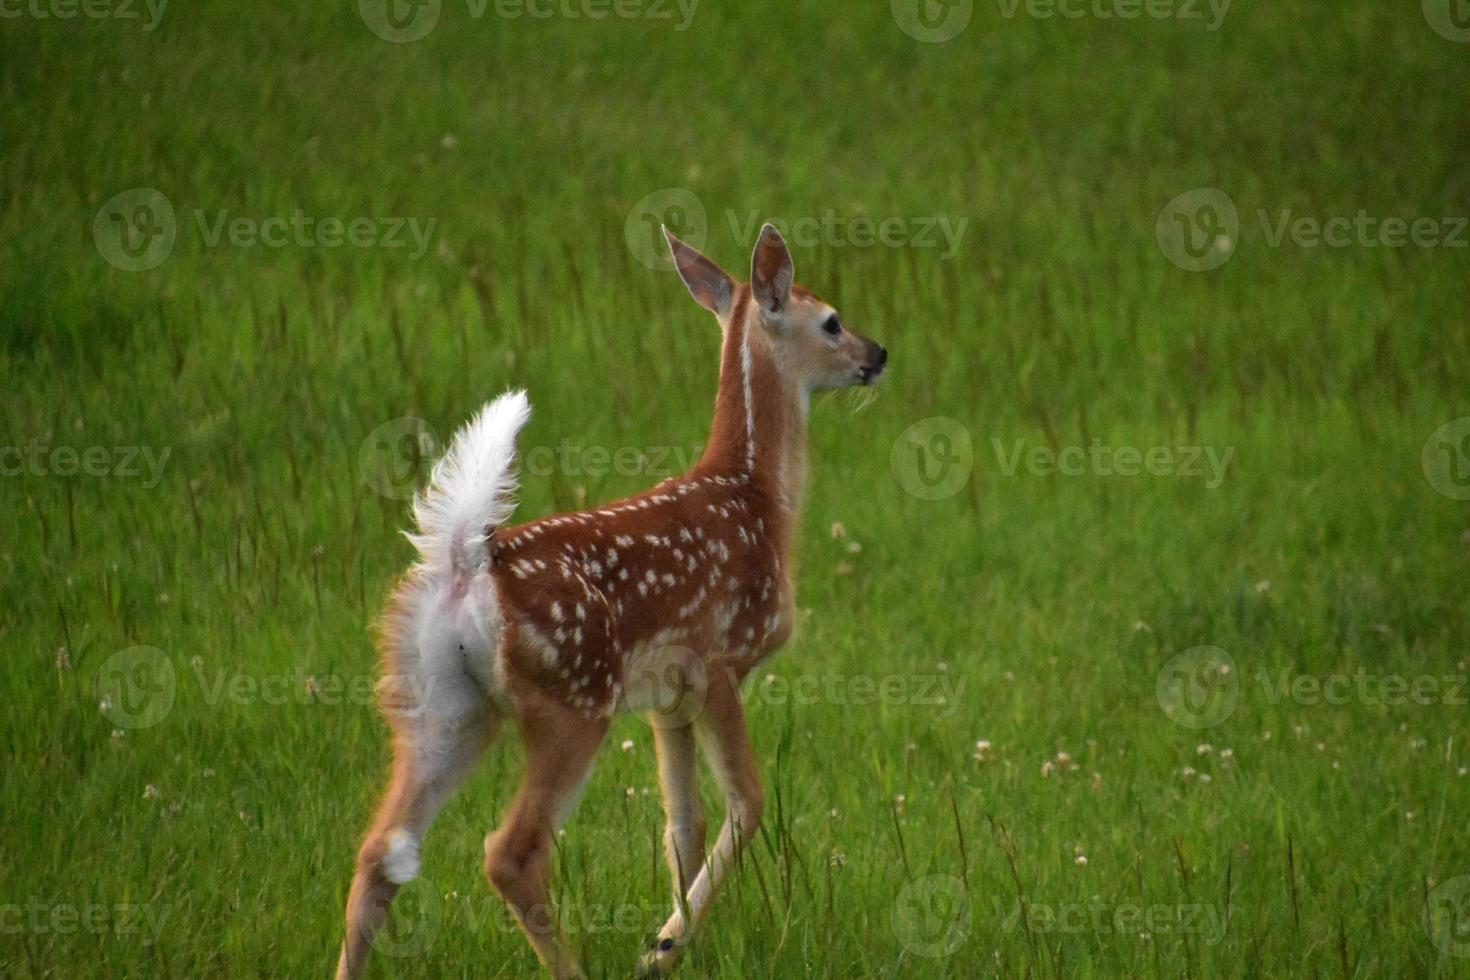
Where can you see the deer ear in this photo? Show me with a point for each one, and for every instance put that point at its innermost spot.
(710, 286)
(771, 272)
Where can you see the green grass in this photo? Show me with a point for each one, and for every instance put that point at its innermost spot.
(1049, 603)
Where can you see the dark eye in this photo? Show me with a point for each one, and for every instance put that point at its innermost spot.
(833, 325)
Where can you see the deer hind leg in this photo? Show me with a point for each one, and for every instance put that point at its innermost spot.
(726, 744)
(432, 755)
(684, 833)
(561, 744)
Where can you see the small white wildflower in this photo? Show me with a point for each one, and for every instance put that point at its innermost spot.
(627, 745)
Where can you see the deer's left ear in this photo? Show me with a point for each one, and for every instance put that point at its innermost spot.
(771, 272)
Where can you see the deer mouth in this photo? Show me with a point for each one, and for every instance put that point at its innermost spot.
(869, 373)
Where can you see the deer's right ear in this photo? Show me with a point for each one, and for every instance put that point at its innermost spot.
(710, 286)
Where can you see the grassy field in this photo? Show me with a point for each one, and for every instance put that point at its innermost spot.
(1208, 719)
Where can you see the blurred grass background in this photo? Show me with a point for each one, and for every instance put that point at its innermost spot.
(262, 552)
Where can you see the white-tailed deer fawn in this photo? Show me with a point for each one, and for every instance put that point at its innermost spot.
(559, 623)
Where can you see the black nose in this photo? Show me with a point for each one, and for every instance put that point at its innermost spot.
(882, 356)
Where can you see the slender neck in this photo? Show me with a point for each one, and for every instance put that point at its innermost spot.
(760, 414)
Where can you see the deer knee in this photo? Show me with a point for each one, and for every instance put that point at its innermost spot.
(514, 863)
(746, 808)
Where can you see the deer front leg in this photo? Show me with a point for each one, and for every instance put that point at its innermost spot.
(726, 744)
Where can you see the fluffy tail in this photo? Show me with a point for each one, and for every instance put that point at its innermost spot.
(472, 490)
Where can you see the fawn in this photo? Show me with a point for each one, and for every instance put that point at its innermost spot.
(560, 623)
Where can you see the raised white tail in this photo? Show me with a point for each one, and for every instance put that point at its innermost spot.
(472, 489)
